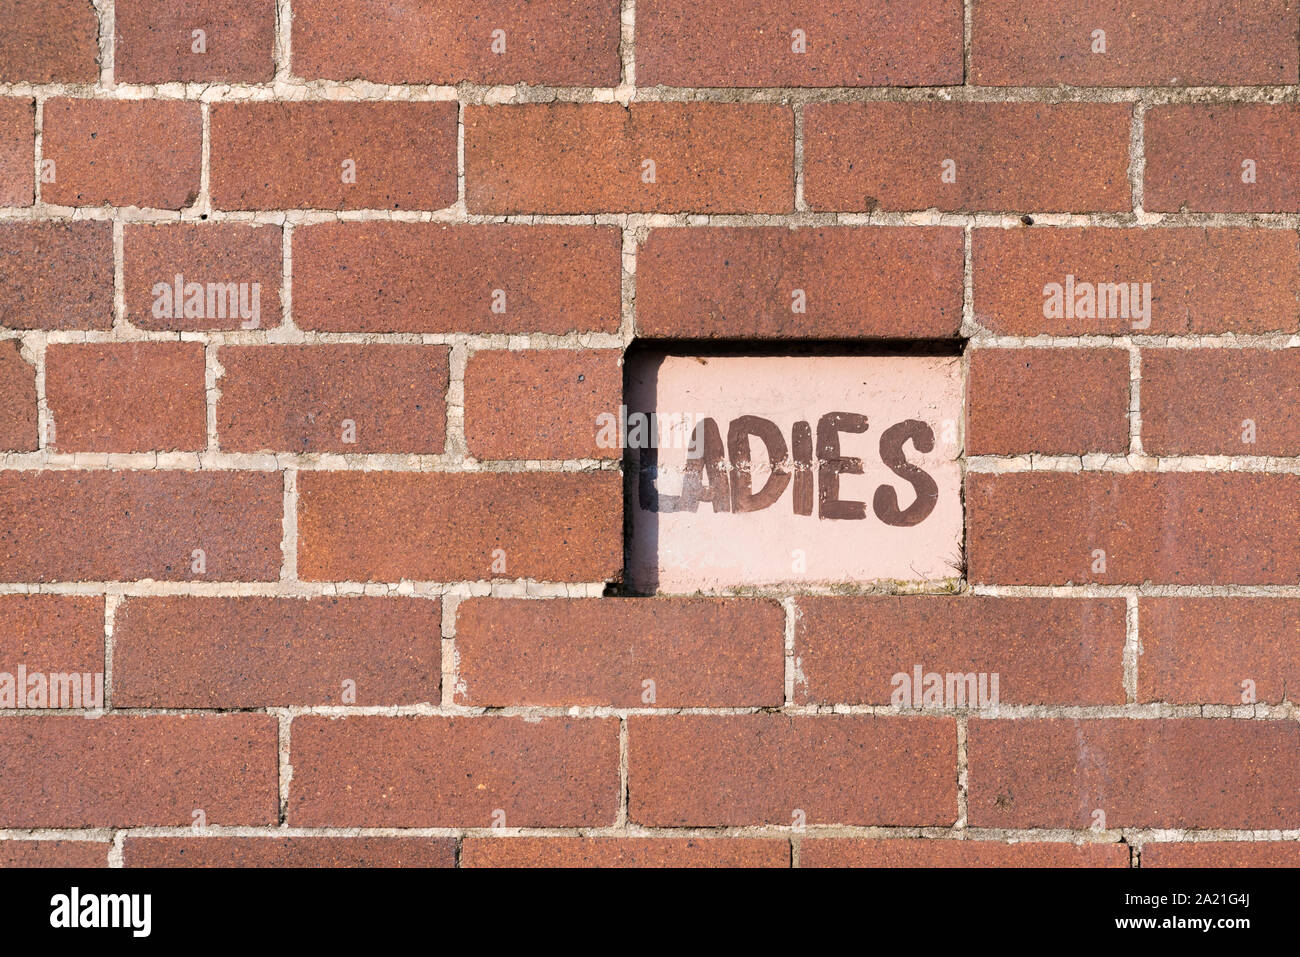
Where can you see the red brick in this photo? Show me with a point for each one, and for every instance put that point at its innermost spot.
(547, 42)
(292, 155)
(1165, 43)
(1068, 157)
(124, 526)
(1198, 401)
(709, 770)
(1202, 280)
(1054, 401)
(49, 41)
(184, 652)
(858, 282)
(122, 152)
(155, 40)
(1222, 854)
(17, 152)
(1195, 152)
(542, 404)
(127, 397)
(18, 853)
(1173, 528)
(1201, 650)
(588, 157)
(699, 652)
(1183, 772)
(745, 43)
(297, 398)
(387, 526)
(56, 275)
(52, 634)
(1044, 650)
(453, 772)
(922, 852)
(431, 277)
(17, 399)
(130, 770)
(215, 253)
(289, 852)
(624, 852)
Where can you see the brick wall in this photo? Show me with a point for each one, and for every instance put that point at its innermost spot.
(347, 553)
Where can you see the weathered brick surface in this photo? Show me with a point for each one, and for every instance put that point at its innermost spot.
(52, 634)
(692, 652)
(1055, 401)
(1069, 157)
(727, 283)
(1222, 854)
(918, 852)
(127, 397)
(157, 42)
(17, 400)
(122, 152)
(1166, 43)
(1219, 650)
(48, 41)
(56, 275)
(256, 652)
(541, 405)
(1202, 280)
(624, 852)
(288, 852)
(1044, 651)
(19, 853)
(333, 398)
(711, 771)
(588, 157)
(1034, 772)
(333, 155)
(548, 43)
(453, 772)
(427, 277)
(737, 43)
(17, 151)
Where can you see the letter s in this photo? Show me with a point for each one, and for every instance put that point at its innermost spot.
(885, 502)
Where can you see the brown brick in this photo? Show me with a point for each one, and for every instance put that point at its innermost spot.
(1201, 650)
(547, 42)
(213, 255)
(17, 399)
(19, 853)
(122, 152)
(589, 157)
(699, 652)
(1195, 155)
(431, 277)
(129, 770)
(155, 41)
(1199, 401)
(922, 852)
(49, 41)
(300, 398)
(386, 526)
(624, 852)
(1067, 157)
(1183, 772)
(1165, 43)
(745, 43)
(127, 397)
(709, 770)
(1173, 528)
(124, 526)
(1044, 650)
(17, 151)
(1222, 854)
(52, 634)
(1054, 401)
(184, 652)
(293, 155)
(453, 772)
(289, 852)
(858, 282)
(1202, 280)
(542, 404)
(56, 275)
